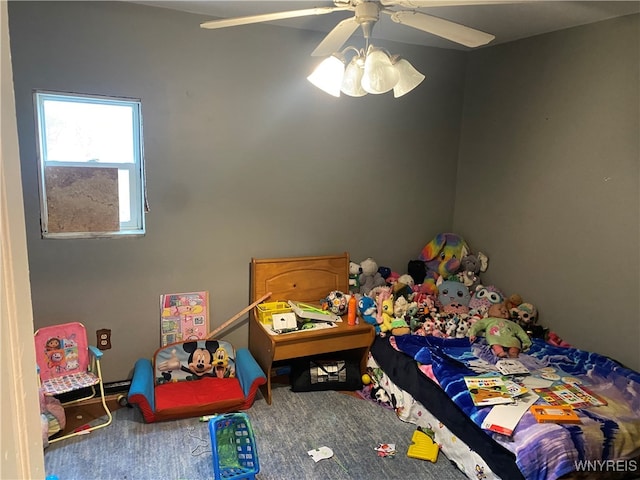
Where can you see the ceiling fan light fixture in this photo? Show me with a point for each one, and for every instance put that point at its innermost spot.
(351, 83)
(410, 78)
(380, 75)
(328, 75)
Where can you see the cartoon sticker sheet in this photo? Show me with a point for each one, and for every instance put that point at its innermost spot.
(184, 316)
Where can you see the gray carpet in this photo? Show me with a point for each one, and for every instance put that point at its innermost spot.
(294, 424)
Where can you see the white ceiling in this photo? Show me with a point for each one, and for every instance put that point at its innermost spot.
(507, 21)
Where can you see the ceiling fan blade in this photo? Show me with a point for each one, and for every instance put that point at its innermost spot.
(336, 38)
(268, 17)
(455, 32)
(447, 3)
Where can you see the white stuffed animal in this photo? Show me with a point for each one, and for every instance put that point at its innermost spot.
(370, 277)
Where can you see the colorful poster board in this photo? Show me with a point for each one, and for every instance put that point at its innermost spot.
(569, 394)
(183, 316)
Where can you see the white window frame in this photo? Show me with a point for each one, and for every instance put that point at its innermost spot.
(137, 191)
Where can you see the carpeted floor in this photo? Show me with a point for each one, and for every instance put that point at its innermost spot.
(284, 431)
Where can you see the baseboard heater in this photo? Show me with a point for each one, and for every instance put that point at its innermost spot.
(117, 387)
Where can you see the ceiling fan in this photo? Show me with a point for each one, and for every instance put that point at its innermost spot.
(367, 13)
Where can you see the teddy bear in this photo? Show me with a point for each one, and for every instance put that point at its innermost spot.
(512, 301)
(370, 277)
(504, 336)
(441, 257)
(471, 266)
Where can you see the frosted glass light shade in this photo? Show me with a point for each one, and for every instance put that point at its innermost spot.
(351, 82)
(410, 78)
(380, 75)
(328, 75)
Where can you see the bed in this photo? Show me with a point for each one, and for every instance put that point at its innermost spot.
(423, 376)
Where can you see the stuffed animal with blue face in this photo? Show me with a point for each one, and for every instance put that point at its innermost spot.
(451, 291)
(442, 257)
(484, 297)
(367, 310)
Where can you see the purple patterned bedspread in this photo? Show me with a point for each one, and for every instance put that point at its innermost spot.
(607, 440)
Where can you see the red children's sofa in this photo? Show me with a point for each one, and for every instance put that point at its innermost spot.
(194, 378)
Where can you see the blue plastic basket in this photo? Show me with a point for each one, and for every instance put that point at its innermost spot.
(233, 447)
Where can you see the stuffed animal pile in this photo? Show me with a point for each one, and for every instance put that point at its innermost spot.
(442, 293)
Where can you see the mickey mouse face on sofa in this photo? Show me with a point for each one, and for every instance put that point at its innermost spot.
(200, 359)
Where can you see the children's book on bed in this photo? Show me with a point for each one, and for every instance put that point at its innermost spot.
(576, 396)
(488, 390)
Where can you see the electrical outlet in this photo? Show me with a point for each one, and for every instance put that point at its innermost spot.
(104, 338)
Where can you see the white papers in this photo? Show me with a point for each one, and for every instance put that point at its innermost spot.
(504, 418)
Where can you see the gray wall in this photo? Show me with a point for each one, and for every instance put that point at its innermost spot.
(548, 179)
(245, 158)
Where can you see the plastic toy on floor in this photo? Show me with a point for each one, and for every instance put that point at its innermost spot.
(423, 447)
(233, 447)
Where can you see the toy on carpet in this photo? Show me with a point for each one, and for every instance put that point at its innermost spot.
(233, 447)
(442, 257)
(423, 446)
(386, 449)
(321, 453)
(501, 333)
(370, 277)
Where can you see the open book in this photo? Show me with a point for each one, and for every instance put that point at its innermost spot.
(488, 390)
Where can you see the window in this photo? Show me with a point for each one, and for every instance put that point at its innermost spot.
(91, 165)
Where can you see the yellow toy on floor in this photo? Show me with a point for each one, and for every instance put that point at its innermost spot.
(423, 447)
